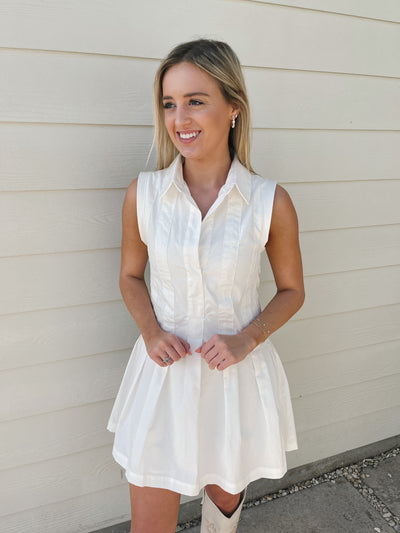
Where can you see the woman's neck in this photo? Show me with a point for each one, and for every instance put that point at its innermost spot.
(205, 174)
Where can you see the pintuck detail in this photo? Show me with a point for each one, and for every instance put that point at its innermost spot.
(214, 521)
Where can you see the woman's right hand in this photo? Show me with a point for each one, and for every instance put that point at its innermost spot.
(163, 345)
(134, 255)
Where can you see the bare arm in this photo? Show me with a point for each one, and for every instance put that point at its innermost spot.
(283, 252)
(159, 343)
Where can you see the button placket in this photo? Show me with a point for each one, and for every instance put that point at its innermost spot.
(195, 288)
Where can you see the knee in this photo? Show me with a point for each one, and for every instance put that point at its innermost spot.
(226, 501)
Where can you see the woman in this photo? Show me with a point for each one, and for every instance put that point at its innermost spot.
(204, 402)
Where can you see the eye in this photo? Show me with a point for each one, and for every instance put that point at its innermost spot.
(195, 102)
(168, 105)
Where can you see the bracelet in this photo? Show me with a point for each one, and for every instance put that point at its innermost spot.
(263, 326)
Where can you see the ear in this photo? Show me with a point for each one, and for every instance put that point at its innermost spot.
(235, 109)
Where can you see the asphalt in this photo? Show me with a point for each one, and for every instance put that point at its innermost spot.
(362, 499)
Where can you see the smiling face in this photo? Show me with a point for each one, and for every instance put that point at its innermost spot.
(197, 116)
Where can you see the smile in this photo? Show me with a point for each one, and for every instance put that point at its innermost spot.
(189, 135)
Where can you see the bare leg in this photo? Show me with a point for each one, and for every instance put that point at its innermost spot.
(153, 510)
(225, 501)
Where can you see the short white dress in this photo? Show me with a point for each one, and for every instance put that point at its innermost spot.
(184, 426)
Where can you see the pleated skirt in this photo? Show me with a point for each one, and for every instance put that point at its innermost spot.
(184, 426)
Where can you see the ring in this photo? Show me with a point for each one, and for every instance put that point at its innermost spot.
(167, 359)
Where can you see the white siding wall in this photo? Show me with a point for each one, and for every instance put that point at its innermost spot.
(75, 128)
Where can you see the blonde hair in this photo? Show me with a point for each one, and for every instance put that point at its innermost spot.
(220, 62)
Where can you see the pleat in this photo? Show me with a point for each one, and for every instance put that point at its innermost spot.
(283, 399)
(157, 422)
(274, 397)
(130, 379)
(232, 412)
(145, 404)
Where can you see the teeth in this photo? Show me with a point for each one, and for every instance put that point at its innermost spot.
(188, 135)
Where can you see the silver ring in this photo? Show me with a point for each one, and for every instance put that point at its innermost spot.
(167, 359)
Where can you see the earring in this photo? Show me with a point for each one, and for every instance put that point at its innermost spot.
(234, 121)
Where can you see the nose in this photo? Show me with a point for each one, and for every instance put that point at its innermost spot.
(182, 116)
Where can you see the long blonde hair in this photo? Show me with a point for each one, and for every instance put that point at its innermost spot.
(218, 60)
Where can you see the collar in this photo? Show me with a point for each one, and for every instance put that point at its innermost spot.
(238, 176)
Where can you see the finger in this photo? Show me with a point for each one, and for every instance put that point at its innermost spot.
(204, 347)
(187, 347)
(208, 349)
(216, 361)
(211, 354)
(171, 353)
(162, 355)
(179, 347)
(160, 361)
(173, 346)
(222, 365)
(168, 362)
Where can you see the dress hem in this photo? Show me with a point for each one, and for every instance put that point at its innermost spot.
(163, 482)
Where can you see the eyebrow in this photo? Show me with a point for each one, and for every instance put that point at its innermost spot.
(188, 95)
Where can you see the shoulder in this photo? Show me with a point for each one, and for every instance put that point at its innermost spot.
(153, 180)
(130, 202)
(145, 179)
(283, 212)
(144, 190)
(131, 192)
(260, 183)
(282, 199)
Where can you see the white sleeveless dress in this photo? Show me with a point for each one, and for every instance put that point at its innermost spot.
(184, 426)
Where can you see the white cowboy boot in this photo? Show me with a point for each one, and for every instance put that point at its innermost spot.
(214, 521)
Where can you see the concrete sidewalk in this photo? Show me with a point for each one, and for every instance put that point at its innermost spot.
(357, 491)
(360, 498)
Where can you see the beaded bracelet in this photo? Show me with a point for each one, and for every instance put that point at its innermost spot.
(263, 326)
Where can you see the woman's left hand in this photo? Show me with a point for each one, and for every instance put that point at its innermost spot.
(221, 351)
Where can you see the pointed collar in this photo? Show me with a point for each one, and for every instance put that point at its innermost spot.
(238, 176)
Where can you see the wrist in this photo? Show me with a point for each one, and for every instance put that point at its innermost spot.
(259, 330)
(150, 332)
(252, 336)
(262, 326)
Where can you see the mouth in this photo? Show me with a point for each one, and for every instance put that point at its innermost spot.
(188, 136)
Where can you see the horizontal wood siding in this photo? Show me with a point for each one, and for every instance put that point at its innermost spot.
(292, 38)
(114, 90)
(48, 222)
(97, 157)
(76, 127)
(388, 10)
